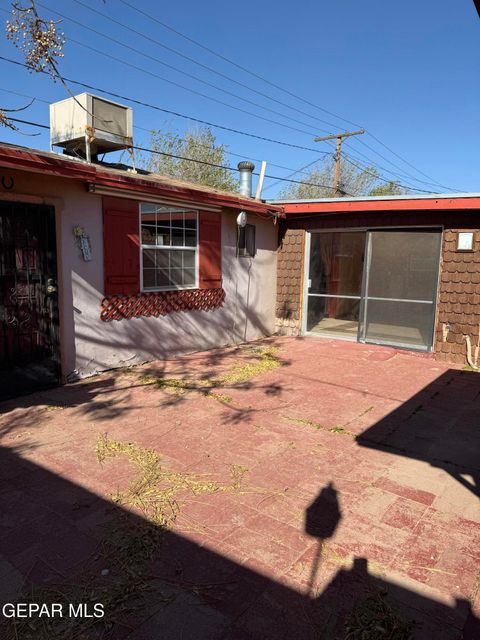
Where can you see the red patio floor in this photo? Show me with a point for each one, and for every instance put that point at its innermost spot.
(296, 484)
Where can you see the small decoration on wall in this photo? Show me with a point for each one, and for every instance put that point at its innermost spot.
(83, 242)
(7, 183)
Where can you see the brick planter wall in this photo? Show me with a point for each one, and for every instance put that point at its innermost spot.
(290, 282)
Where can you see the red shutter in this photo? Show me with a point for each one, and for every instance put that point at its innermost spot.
(121, 246)
(210, 250)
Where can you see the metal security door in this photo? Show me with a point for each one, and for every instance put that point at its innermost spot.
(29, 354)
(400, 288)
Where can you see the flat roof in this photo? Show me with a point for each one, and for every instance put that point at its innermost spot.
(415, 196)
(365, 204)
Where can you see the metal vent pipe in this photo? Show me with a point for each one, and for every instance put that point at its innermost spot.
(246, 169)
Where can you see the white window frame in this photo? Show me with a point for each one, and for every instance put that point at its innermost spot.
(168, 248)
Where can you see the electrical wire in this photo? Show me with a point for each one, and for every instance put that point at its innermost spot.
(206, 146)
(280, 88)
(431, 180)
(235, 64)
(177, 157)
(403, 174)
(177, 84)
(170, 112)
(199, 64)
(210, 124)
(294, 173)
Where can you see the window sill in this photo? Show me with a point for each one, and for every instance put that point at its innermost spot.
(167, 289)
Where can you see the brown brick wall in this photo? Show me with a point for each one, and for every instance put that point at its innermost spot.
(458, 298)
(290, 281)
(459, 285)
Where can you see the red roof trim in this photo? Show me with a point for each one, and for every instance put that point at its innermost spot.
(24, 159)
(182, 193)
(29, 160)
(421, 204)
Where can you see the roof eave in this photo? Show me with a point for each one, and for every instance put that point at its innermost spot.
(435, 203)
(29, 160)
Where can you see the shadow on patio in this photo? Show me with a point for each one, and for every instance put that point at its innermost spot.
(439, 425)
(61, 543)
(129, 490)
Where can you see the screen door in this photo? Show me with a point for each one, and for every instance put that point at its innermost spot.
(400, 288)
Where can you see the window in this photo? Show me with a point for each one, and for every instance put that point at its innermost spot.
(246, 241)
(169, 242)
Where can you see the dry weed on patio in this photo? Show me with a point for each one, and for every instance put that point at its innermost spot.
(265, 359)
(340, 429)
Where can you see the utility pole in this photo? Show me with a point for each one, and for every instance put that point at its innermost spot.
(339, 137)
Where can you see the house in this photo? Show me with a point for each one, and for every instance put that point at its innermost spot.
(397, 270)
(101, 267)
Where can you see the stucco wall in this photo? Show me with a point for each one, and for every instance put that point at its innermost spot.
(89, 345)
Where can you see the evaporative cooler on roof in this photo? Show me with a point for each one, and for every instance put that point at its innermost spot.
(88, 124)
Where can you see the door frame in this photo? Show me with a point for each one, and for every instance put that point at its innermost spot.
(52, 258)
(363, 310)
(306, 270)
(362, 323)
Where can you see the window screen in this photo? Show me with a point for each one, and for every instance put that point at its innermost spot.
(169, 239)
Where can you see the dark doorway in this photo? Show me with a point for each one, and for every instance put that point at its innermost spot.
(29, 349)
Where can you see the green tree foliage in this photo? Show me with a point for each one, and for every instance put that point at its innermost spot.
(198, 144)
(388, 189)
(354, 181)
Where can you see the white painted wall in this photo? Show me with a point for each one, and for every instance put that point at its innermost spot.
(89, 345)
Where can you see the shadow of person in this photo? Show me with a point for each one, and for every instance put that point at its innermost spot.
(321, 520)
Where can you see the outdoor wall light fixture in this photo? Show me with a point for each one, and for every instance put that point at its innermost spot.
(465, 241)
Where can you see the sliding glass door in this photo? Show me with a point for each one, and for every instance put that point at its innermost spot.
(335, 283)
(400, 287)
(378, 286)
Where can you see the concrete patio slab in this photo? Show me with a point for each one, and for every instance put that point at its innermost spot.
(265, 491)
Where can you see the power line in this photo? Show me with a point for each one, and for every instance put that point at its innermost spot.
(402, 175)
(170, 112)
(403, 160)
(177, 84)
(280, 88)
(381, 178)
(207, 123)
(199, 64)
(301, 170)
(177, 157)
(361, 164)
(206, 146)
(235, 64)
(358, 163)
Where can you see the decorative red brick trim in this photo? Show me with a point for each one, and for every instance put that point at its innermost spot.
(160, 303)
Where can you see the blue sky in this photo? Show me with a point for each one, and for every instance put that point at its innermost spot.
(406, 71)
